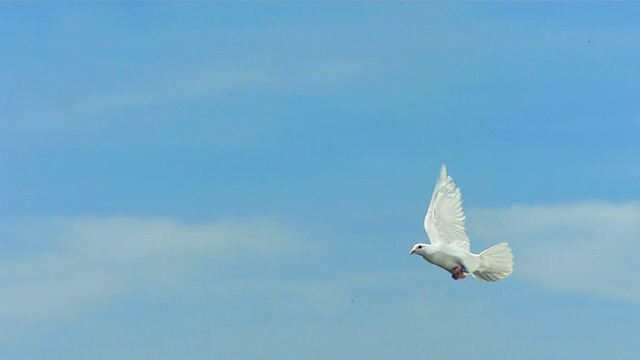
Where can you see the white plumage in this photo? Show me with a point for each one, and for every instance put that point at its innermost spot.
(450, 247)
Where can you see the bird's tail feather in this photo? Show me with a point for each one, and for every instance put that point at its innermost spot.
(496, 263)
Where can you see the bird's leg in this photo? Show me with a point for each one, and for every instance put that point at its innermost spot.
(458, 273)
(455, 273)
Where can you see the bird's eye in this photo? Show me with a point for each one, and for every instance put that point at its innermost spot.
(419, 246)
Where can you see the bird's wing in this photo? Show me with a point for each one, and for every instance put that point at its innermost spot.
(444, 221)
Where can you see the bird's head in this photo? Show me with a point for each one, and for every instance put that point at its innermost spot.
(419, 249)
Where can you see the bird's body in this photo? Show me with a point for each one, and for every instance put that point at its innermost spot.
(449, 257)
(450, 247)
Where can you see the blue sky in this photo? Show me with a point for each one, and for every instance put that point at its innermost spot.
(245, 180)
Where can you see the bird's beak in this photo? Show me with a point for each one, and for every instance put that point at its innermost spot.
(413, 251)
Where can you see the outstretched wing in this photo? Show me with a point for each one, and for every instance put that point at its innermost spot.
(444, 221)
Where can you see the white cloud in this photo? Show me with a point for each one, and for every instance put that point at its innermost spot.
(209, 288)
(250, 278)
(587, 248)
(91, 261)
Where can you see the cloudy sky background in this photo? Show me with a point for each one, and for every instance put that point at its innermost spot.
(244, 181)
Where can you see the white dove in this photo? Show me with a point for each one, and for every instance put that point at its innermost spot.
(450, 248)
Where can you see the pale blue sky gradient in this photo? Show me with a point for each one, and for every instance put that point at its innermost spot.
(245, 180)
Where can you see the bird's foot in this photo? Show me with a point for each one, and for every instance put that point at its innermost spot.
(458, 273)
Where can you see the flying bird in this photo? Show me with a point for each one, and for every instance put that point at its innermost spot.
(450, 248)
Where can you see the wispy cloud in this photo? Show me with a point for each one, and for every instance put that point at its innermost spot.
(91, 261)
(259, 279)
(588, 248)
